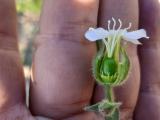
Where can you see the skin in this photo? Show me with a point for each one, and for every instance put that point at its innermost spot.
(52, 40)
(62, 82)
(148, 106)
(12, 87)
(68, 71)
(12, 94)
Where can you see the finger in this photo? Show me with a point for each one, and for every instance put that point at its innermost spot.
(127, 11)
(62, 82)
(68, 20)
(148, 106)
(8, 24)
(11, 73)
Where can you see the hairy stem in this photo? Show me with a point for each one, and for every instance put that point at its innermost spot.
(109, 93)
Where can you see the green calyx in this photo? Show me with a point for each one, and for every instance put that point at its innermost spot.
(111, 70)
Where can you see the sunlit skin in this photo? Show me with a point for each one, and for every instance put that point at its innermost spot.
(11, 75)
(62, 82)
(9, 57)
(85, 2)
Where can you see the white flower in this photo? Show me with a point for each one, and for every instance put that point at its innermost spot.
(100, 33)
(111, 36)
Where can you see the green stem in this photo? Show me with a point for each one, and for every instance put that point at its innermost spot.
(109, 93)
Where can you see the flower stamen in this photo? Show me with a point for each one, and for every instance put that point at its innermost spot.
(109, 22)
(120, 24)
(130, 25)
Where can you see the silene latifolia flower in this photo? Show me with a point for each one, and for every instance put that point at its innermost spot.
(111, 64)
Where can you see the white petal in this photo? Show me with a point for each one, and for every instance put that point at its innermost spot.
(96, 34)
(135, 35)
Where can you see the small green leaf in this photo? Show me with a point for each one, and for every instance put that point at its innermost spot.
(92, 108)
(107, 105)
(115, 115)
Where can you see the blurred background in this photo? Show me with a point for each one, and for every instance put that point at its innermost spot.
(28, 12)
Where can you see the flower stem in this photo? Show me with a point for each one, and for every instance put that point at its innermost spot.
(109, 93)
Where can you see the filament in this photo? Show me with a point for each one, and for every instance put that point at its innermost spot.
(130, 25)
(109, 22)
(120, 24)
(114, 23)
